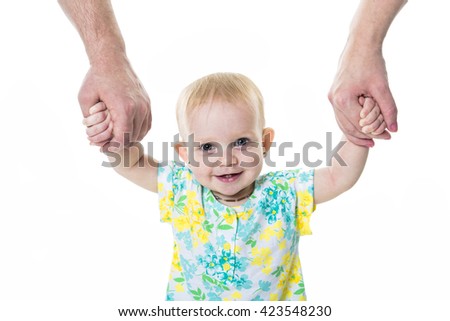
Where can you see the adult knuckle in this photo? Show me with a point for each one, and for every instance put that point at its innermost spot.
(129, 105)
(340, 100)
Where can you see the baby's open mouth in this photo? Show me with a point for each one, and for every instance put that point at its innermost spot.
(228, 178)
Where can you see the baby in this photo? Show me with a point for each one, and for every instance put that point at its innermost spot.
(236, 232)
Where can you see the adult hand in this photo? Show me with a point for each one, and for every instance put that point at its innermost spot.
(115, 83)
(361, 73)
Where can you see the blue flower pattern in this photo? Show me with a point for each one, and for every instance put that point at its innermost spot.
(249, 252)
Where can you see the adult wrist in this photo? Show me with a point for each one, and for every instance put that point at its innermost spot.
(364, 44)
(107, 52)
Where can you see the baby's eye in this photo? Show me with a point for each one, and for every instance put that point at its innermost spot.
(241, 142)
(206, 147)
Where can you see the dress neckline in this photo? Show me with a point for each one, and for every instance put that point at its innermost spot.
(247, 204)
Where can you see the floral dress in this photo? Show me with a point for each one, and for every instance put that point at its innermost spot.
(247, 252)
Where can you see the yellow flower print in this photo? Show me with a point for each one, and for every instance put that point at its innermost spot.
(202, 235)
(272, 230)
(245, 215)
(227, 246)
(287, 294)
(197, 214)
(297, 265)
(229, 218)
(282, 281)
(181, 223)
(166, 206)
(286, 259)
(304, 212)
(261, 257)
(226, 267)
(179, 287)
(191, 196)
(267, 233)
(305, 198)
(194, 207)
(236, 295)
(176, 264)
(267, 270)
(273, 297)
(160, 187)
(303, 218)
(295, 278)
(166, 215)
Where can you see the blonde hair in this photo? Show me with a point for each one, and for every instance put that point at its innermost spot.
(229, 87)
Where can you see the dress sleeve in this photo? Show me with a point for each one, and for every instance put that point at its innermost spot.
(165, 191)
(305, 205)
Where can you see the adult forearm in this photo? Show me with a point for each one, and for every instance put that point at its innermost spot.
(372, 21)
(98, 28)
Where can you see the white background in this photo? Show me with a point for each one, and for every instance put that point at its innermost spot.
(71, 229)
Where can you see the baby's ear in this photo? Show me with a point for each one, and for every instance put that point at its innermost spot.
(182, 150)
(267, 138)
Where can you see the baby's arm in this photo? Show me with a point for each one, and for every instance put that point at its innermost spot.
(332, 181)
(130, 162)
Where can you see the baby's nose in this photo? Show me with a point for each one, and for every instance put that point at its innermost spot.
(229, 158)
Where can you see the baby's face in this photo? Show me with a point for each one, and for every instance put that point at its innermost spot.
(227, 155)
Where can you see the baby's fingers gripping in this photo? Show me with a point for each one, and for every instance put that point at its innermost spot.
(367, 104)
(369, 112)
(376, 127)
(103, 137)
(99, 127)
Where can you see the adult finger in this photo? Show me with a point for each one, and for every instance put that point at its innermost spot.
(123, 125)
(384, 135)
(147, 124)
(353, 134)
(142, 130)
(385, 100)
(348, 119)
(137, 125)
(88, 95)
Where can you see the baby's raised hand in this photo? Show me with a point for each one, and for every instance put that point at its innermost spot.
(372, 121)
(99, 125)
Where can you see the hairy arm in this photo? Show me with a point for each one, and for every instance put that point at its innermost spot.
(372, 21)
(96, 23)
(362, 70)
(110, 78)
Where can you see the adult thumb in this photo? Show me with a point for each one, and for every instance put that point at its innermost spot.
(388, 108)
